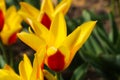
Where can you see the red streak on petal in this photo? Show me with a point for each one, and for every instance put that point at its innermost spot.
(56, 62)
(1, 20)
(12, 39)
(46, 21)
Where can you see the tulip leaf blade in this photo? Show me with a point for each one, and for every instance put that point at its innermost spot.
(80, 72)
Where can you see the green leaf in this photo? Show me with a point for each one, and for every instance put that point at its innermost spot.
(105, 40)
(86, 15)
(114, 30)
(80, 72)
(118, 44)
(2, 62)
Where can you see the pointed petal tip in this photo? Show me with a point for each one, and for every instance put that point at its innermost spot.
(19, 34)
(94, 22)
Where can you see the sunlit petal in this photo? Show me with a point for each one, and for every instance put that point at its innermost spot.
(38, 28)
(38, 64)
(78, 37)
(25, 68)
(8, 74)
(58, 30)
(31, 40)
(29, 9)
(47, 6)
(10, 14)
(2, 6)
(8, 32)
(64, 6)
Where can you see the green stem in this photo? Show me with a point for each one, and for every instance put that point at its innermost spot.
(3, 51)
(58, 75)
(9, 48)
(11, 59)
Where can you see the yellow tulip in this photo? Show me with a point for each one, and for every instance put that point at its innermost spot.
(9, 23)
(7, 73)
(60, 48)
(47, 11)
(27, 72)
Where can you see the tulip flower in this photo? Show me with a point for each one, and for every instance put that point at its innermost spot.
(27, 72)
(9, 23)
(60, 47)
(47, 11)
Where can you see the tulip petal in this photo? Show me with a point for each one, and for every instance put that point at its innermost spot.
(10, 14)
(77, 38)
(10, 28)
(60, 8)
(31, 40)
(39, 29)
(3, 6)
(25, 68)
(57, 58)
(65, 8)
(66, 52)
(38, 64)
(29, 9)
(7, 32)
(47, 6)
(8, 74)
(58, 30)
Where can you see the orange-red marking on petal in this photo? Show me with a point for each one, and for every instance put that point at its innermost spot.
(12, 39)
(1, 20)
(56, 62)
(46, 21)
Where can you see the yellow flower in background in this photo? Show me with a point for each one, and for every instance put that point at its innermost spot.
(47, 11)
(7, 73)
(60, 48)
(9, 23)
(27, 72)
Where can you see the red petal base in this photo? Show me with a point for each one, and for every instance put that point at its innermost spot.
(1, 20)
(56, 62)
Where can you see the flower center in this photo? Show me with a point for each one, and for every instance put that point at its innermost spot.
(56, 61)
(46, 21)
(1, 20)
(12, 39)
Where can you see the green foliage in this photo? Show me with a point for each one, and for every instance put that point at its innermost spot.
(80, 72)
(102, 49)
